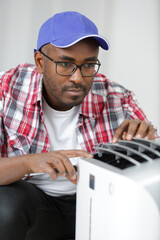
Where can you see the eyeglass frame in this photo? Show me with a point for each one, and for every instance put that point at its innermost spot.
(74, 70)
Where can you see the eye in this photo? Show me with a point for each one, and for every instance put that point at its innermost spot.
(89, 65)
(65, 64)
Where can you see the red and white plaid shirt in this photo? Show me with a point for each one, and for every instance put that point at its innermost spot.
(22, 128)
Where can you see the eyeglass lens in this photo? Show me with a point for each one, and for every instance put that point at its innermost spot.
(68, 68)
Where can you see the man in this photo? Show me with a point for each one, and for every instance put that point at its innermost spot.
(50, 113)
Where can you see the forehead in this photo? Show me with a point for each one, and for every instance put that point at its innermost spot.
(83, 49)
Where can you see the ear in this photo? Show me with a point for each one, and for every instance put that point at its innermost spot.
(39, 61)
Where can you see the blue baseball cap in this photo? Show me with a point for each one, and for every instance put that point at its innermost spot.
(67, 28)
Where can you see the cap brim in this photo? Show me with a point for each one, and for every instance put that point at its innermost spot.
(101, 41)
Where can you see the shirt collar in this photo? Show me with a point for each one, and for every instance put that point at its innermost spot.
(37, 92)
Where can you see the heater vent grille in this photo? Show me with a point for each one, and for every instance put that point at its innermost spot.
(125, 154)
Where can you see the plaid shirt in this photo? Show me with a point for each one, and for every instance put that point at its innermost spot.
(22, 128)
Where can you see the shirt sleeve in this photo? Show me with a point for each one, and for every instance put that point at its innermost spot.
(132, 109)
(1, 115)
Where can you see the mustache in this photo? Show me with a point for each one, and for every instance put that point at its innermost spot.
(78, 86)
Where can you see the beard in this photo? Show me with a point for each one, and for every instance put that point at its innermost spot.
(59, 97)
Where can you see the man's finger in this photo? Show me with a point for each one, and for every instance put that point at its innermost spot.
(151, 133)
(120, 130)
(142, 130)
(132, 129)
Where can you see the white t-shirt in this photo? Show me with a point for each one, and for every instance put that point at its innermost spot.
(61, 127)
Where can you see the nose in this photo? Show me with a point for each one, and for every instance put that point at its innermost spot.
(76, 77)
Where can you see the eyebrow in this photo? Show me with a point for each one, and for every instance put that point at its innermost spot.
(64, 57)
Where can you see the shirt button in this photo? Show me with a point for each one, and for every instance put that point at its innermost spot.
(43, 151)
(11, 143)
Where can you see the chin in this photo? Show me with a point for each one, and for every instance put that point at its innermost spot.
(75, 101)
(73, 104)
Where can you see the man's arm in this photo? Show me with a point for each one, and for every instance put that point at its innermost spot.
(136, 123)
(14, 168)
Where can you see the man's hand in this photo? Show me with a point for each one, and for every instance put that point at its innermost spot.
(56, 160)
(134, 128)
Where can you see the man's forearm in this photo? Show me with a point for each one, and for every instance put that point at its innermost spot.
(12, 169)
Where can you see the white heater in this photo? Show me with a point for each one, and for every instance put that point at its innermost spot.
(118, 192)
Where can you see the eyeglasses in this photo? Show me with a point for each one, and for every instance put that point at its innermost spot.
(68, 68)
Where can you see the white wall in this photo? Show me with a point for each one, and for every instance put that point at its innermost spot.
(131, 26)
